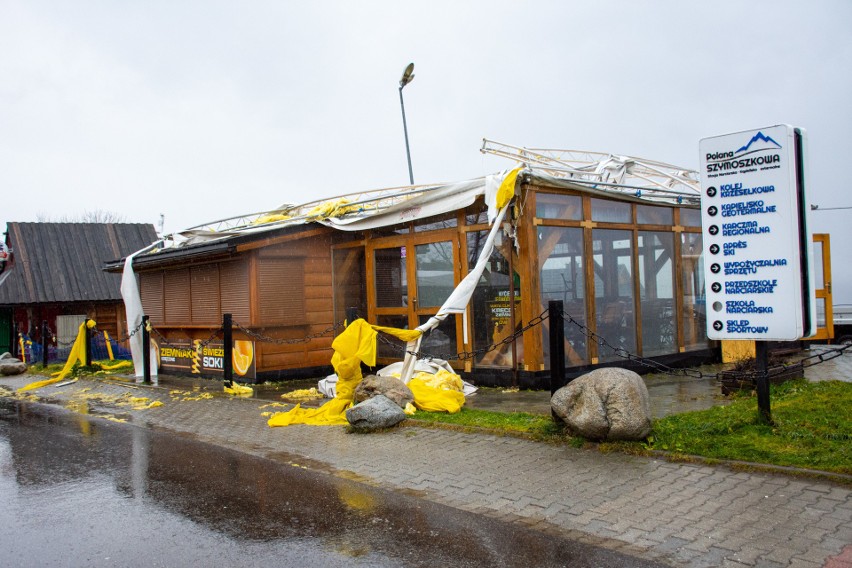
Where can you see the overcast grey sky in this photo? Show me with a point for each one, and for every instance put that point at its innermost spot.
(202, 110)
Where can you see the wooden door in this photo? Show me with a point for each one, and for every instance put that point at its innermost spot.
(822, 285)
(410, 278)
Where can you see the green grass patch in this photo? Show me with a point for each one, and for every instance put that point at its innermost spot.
(812, 428)
(537, 426)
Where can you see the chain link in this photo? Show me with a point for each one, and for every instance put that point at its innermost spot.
(258, 336)
(465, 355)
(744, 377)
(166, 341)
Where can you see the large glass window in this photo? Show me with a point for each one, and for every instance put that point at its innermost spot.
(391, 277)
(435, 278)
(690, 217)
(694, 314)
(440, 341)
(388, 345)
(447, 221)
(654, 215)
(657, 292)
(561, 276)
(350, 282)
(613, 269)
(607, 211)
(558, 206)
(491, 305)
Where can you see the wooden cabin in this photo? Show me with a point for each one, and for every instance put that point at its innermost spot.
(626, 268)
(57, 276)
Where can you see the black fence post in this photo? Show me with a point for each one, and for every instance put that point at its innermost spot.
(146, 352)
(761, 359)
(227, 356)
(351, 315)
(557, 348)
(15, 351)
(88, 336)
(44, 343)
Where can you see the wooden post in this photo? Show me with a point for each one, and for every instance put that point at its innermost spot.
(762, 364)
(146, 352)
(227, 355)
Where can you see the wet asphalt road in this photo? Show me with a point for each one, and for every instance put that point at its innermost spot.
(82, 492)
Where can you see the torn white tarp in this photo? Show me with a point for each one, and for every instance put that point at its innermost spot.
(133, 308)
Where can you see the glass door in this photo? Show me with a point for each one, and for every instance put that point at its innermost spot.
(412, 277)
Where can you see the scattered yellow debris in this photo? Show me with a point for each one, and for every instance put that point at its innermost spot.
(303, 393)
(239, 390)
(409, 409)
(511, 390)
(267, 414)
(274, 405)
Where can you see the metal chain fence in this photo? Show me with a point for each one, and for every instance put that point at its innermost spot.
(258, 336)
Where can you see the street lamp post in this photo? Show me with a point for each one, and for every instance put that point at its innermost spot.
(407, 77)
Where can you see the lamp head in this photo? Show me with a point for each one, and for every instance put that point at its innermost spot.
(407, 75)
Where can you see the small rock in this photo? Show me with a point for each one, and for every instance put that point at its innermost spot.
(605, 404)
(11, 366)
(391, 387)
(375, 414)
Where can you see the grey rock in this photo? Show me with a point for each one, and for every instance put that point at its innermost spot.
(605, 404)
(374, 414)
(11, 366)
(391, 387)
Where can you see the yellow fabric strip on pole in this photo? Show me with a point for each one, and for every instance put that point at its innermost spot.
(355, 345)
(78, 353)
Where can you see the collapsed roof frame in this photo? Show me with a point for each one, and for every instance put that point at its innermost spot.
(625, 176)
(620, 174)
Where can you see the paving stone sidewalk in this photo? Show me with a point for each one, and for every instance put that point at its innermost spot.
(681, 514)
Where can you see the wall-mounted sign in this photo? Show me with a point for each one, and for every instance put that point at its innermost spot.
(193, 358)
(757, 251)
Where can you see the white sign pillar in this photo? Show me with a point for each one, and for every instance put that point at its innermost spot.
(757, 247)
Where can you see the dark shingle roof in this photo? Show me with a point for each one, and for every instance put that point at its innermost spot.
(63, 262)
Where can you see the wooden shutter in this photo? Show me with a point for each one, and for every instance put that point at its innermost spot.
(205, 293)
(151, 284)
(234, 290)
(176, 291)
(281, 291)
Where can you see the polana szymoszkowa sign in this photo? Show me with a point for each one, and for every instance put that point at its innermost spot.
(758, 266)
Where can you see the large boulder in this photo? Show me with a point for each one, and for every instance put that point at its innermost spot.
(605, 404)
(11, 366)
(391, 387)
(374, 414)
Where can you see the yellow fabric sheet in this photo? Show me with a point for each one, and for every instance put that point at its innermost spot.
(507, 188)
(78, 353)
(440, 392)
(355, 345)
(434, 399)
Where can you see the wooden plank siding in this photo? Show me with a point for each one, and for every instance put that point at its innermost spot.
(281, 291)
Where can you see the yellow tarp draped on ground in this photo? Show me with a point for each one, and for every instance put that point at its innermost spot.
(355, 345)
(78, 353)
(432, 399)
(439, 392)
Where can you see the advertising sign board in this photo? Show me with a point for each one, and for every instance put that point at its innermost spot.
(757, 251)
(192, 357)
